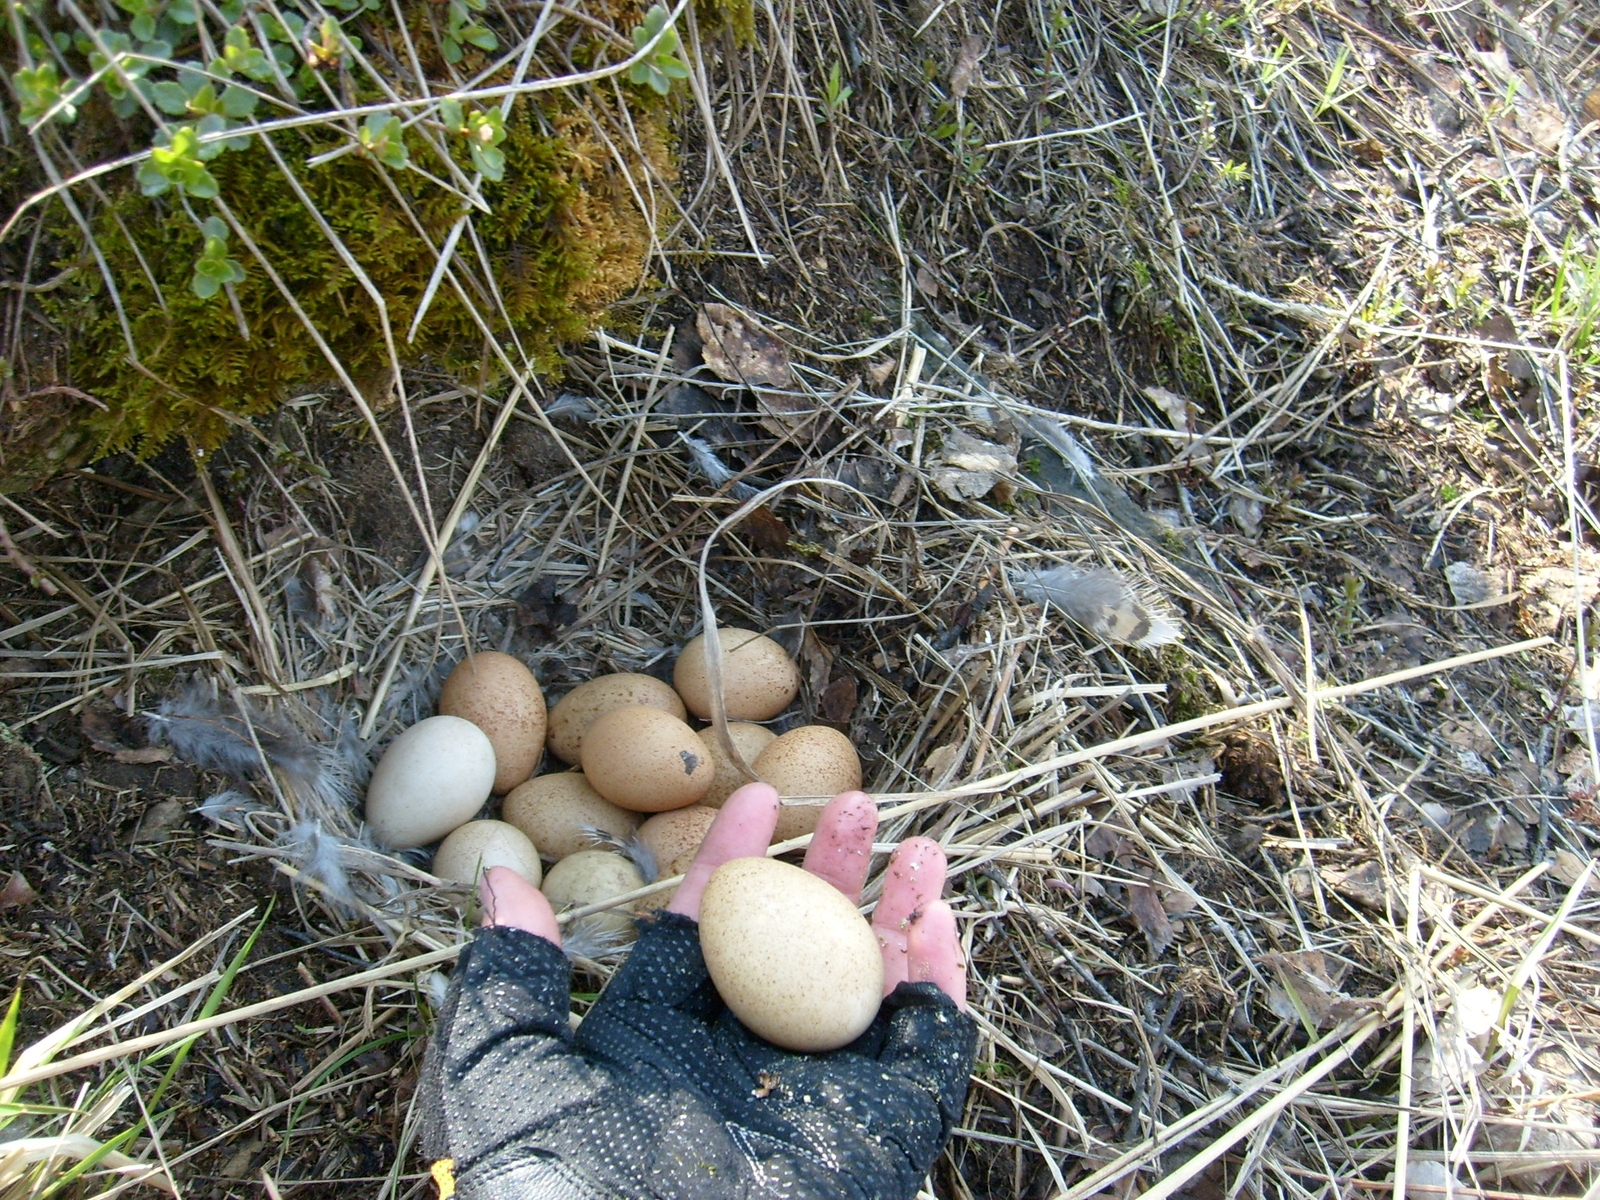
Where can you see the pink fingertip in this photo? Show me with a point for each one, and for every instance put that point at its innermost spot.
(509, 899)
(743, 829)
(841, 849)
(933, 951)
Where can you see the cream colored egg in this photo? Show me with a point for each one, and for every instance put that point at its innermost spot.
(434, 776)
(499, 695)
(556, 810)
(645, 760)
(815, 761)
(473, 848)
(790, 955)
(751, 741)
(759, 679)
(589, 877)
(574, 711)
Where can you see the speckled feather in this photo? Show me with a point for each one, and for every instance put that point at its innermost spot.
(662, 1093)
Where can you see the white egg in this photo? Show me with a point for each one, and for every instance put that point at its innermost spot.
(473, 848)
(433, 777)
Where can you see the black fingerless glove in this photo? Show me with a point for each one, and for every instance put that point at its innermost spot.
(661, 1092)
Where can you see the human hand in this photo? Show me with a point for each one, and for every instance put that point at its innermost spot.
(662, 1092)
(914, 927)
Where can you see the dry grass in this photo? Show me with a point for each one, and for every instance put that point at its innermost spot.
(1301, 907)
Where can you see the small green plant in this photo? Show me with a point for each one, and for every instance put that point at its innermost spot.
(39, 95)
(1573, 304)
(1344, 618)
(1449, 493)
(181, 163)
(484, 131)
(835, 95)
(1331, 96)
(662, 66)
(214, 268)
(380, 137)
(462, 29)
(1234, 173)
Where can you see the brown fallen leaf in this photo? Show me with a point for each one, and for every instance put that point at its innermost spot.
(160, 822)
(966, 66)
(18, 892)
(1568, 867)
(143, 755)
(1591, 104)
(769, 534)
(1310, 989)
(1144, 902)
(1364, 884)
(927, 283)
(839, 700)
(739, 350)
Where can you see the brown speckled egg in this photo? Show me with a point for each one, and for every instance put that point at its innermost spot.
(588, 877)
(758, 676)
(574, 711)
(790, 955)
(751, 741)
(499, 695)
(813, 760)
(673, 837)
(478, 845)
(645, 760)
(555, 810)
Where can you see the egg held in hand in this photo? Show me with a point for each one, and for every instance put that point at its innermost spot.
(433, 777)
(790, 955)
(499, 695)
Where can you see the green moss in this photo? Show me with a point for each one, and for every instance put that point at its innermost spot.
(563, 239)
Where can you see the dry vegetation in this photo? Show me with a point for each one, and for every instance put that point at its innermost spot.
(1286, 312)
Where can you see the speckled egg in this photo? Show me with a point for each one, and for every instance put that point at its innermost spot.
(790, 955)
(815, 761)
(645, 760)
(499, 695)
(588, 877)
(673, 837)
(751, 741)
(555, 810)
(574, 711)
(759, 679)
(434, 776)
(473, 848)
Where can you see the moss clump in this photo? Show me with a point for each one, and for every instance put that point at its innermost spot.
(563, 239)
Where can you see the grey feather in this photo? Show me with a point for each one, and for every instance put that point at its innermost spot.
(1103, 602)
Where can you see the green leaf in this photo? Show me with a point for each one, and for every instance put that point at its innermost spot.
(143, 27)
(152, 179)
(238, 102)
(451, 49)
(215, 227)
(39, 91)
(450, 115)
(183, 12)
(169, 98)
(8, 1030)
(480, 36)
(489, 161)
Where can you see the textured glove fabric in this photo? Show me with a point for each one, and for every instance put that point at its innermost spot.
(661, 1092)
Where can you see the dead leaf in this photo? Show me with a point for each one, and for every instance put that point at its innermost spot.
(160, 822)
(1467, 733)
(1568, 867)
(739, 350)
(1247, 513)
(144, 755)
(816, 660)
(927, 283)
(839, 700)
(1363, 884)
(1151, 918)
(1468, 583)
(1178, 410)
(1308, 994)
(967, 468)
(880, 371)
(769, 534)
(18, 892)
(966, 66)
